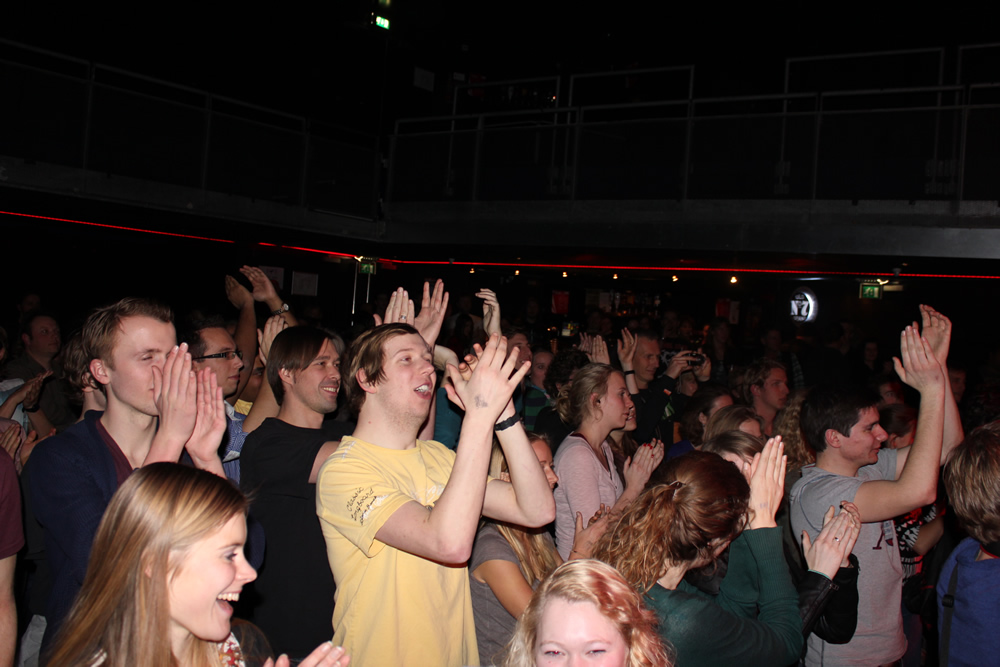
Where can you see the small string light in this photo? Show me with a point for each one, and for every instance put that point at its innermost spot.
(733, 280)
(472, 270)
(675, 278)
(565, 274)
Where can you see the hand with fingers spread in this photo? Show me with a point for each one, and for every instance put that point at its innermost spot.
(586, 344)
(274, 326)
(210, 424)
(767, 483)
(917, 365)
(832, 547)
(491, 311)
(489, 387)
(433, 307)
(936, 329)
(238, 295)
(175, 393)
(325, 655)
(626, 349)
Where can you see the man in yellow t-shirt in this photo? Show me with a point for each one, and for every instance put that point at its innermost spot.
(399, 515)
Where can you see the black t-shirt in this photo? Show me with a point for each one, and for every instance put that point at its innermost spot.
(294, 589)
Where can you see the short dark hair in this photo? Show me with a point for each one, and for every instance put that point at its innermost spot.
(897, 419)
(833, 407)
(756, 375)
(29, 318)
(191, 328)
(562, 367)
(293, 349)
(367, 353)
(699, 404)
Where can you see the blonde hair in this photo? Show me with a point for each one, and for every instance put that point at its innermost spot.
(122, 613)
(600, 585)
(575, 402)
(535, 552)
(703, 504)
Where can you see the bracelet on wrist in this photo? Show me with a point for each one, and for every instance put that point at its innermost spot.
(284, 309)
(34, 408)
(628, 372)
(507, 423)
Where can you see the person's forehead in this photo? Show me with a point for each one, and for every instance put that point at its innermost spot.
(404, 342)
(327, 349)
(647, 345)
(144, 332)
(44, 322)
(866, 416)
(777, 374)
(217, 339)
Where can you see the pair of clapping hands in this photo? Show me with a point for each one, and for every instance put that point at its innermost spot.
(832, 547)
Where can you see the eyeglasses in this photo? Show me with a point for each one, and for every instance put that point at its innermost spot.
(227, 355)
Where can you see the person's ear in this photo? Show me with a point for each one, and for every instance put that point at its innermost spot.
(99, 371)
(833, 438)
(366, 386)
(755, 389)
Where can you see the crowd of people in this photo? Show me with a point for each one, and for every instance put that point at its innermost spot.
(440, 488)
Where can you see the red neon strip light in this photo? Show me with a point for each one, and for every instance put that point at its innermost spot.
(517, 264)
(127, 229)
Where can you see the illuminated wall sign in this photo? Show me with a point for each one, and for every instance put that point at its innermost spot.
(803, 305)
(382, 22)
(870, 290)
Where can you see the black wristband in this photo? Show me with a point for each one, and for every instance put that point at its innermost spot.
(35, 408)
(507, 423)
(628, 372)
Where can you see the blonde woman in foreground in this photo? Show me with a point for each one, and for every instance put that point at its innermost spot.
(585, 611)
(166, 562)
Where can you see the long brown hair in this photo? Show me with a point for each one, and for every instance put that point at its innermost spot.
(535, 552)
(122, 613)
(703, 504)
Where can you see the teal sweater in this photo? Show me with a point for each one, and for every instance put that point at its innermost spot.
(724, 630)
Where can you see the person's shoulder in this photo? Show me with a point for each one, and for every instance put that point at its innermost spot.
(75, 442)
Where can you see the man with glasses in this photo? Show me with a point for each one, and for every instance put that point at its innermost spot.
(212, 348)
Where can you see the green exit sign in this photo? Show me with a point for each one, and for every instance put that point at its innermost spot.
(382, 22)
(871, 291)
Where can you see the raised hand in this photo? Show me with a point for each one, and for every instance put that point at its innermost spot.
(639, 468)
(263, 288)
(175, 394)
(936, 329)
(599, 351)
(400, 309)
(210, 424)
(432, 310)
(767, 483)
(918, 367)
(489, 388)
(491, 311)
(274, 326)
(325, 655)
(680, 363)
(237, 294)
(626, 349)
(835, 541)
